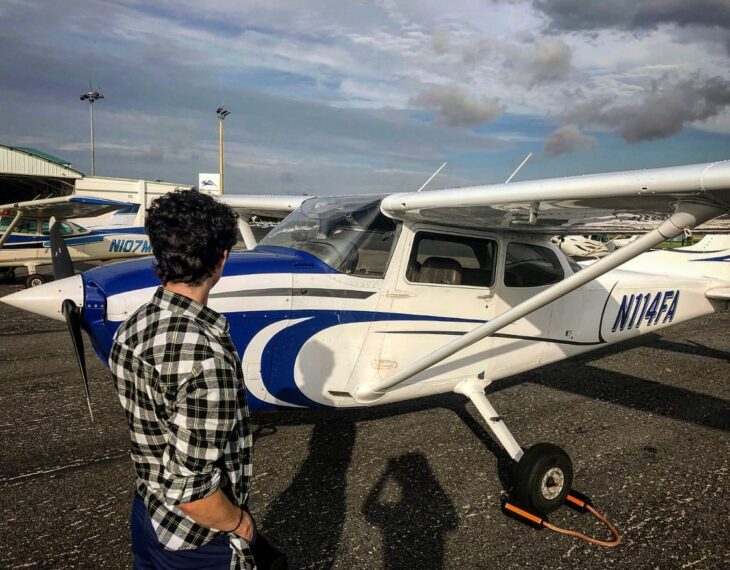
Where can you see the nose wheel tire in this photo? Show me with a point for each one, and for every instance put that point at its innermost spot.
(35, 280)
(543, 477)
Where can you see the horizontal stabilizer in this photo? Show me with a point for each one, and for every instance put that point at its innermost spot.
(719, 294)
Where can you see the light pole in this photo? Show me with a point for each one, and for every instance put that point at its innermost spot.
(222, 114)
(91, 96)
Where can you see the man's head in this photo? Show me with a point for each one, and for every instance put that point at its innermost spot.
(191, 235)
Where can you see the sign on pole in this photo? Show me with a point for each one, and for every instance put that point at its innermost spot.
(209, 182)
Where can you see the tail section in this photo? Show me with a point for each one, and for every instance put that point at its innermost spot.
(710, 244)
(710, 259)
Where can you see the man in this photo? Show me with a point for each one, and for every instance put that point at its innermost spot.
(180, 382)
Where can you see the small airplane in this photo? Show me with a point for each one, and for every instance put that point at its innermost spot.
(581, 247)
(585, 247)
(367, 300)
(27, 234)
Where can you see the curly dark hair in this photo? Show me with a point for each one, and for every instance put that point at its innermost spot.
(189, 232)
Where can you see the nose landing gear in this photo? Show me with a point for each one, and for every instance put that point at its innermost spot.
(543, 474)
(543, 477)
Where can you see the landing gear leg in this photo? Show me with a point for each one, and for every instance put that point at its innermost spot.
(544, 473)
(473, 388)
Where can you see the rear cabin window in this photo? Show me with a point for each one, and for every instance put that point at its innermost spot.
(452, 260)
(22, 227)
(530, 265)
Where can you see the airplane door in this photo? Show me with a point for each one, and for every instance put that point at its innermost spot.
(443, 289)
(529, 268)
(28, 228)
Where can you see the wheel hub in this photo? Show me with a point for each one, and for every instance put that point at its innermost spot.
(552, 483)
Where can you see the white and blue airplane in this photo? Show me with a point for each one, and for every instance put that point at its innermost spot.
(26, 234)
(367, 300)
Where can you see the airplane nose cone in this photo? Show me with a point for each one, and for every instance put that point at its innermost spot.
(46, 299)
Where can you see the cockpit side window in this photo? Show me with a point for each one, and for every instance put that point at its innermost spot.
(529, 265)
(350, 234)
(67, 228)
(452, 260)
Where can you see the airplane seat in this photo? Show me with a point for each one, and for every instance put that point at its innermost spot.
(414, 271)
(513, 279)
(349, 263)
(440, 270)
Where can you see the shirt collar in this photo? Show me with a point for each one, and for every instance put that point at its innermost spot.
(181, 304)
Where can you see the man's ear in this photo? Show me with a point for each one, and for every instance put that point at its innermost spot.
(222, 262)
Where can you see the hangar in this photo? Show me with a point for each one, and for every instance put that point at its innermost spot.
(27, 173)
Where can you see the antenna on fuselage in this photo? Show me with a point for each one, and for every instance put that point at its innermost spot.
(432, 177)
(518, 168)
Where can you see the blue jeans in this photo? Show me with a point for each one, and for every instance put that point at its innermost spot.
(150, 555)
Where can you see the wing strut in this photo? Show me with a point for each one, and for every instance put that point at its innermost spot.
(10, 228)
(246, 232)
(687, 215)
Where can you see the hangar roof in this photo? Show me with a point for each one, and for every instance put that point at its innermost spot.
(25, 161)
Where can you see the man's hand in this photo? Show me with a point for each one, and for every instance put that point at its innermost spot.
(246, 529)
(216, 511)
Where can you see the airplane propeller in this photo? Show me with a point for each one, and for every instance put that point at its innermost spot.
(72, 314)
(63, 267)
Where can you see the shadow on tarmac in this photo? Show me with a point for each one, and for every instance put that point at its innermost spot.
(413, 513)
(306, 520)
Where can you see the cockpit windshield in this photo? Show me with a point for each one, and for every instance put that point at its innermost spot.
(350, 234)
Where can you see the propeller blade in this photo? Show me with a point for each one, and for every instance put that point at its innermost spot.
(62, 265)
(72, 314)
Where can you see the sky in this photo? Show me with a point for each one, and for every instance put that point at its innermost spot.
(338, 97)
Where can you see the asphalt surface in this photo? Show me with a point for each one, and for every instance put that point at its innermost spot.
(408, 486)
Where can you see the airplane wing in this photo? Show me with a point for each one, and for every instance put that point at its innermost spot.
(621, 202)
(267, 206)
(63, 208)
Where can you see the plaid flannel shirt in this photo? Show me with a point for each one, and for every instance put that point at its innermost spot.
(179, 379)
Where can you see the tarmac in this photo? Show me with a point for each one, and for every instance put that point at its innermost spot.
(415, 485)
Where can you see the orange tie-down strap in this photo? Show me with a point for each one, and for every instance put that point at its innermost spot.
(578, 502)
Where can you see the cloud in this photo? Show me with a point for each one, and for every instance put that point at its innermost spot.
(327, 92)
(440, 42)
(664, 110)
(568, 139)
(549, 60)
(456, 107)
(634, 15)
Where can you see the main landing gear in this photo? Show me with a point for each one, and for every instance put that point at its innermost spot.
(35, 280)
(543, 474)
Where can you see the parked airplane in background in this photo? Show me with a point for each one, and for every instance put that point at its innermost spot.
(366, 300)
(26, 240)
(584, 247)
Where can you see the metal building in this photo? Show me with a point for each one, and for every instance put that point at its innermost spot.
(27, 173)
